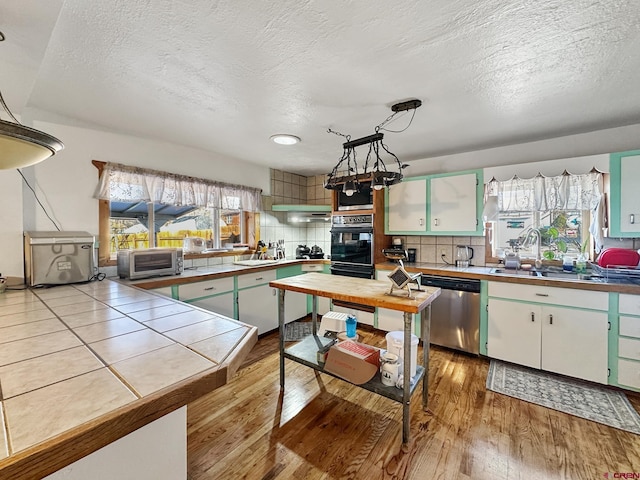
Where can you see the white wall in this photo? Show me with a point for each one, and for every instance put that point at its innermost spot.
(581, 145)
(66, 182)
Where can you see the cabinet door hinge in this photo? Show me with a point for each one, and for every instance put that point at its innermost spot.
(477, 181)
(487, 308)
(609, 323)
(608, 372)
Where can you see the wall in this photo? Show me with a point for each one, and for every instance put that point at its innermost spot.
(65, 183)
(593, 143)
(291, 189)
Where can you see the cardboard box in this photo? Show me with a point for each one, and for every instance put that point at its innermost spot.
(355, 362)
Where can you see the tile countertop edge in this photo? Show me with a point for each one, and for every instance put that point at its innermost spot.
(484, 273)
(57, 452)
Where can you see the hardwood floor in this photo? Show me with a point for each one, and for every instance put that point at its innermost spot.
(322, 427)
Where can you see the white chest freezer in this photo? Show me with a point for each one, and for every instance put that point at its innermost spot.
(58, 258)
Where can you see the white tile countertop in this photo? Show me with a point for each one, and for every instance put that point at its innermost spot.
(82, 352)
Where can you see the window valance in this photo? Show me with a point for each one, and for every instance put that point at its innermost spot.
(125, 183)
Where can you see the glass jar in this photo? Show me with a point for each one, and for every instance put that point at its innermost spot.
(581, 263)
(567, 263)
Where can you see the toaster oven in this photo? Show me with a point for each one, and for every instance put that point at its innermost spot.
(149, 262)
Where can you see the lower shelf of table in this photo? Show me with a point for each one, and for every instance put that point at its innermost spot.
(305, 353)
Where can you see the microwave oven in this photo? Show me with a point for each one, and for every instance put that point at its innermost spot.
(149, 262)
(360, 200)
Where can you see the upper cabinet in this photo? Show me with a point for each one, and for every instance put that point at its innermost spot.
(447, 204)
(406, 206)
(625, 201)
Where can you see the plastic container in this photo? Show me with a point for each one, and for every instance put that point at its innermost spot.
(395, 344)
(351, 323)
(567, 263)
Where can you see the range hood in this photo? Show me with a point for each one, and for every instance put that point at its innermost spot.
(305, 213)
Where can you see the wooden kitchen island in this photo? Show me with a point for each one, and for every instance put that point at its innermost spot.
(374, 293)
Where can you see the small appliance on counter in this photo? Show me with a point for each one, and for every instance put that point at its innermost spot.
(58, 258)
(464, 254)
(511, 260)
(303, 252)
(149, 262)
(316, 253)
(194, 245)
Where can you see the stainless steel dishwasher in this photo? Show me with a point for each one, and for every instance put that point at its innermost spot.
(455, 314)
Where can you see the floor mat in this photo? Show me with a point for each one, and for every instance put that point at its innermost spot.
(295, 331)
(575, 397)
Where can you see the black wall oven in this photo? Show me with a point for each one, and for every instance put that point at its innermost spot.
(352, 245)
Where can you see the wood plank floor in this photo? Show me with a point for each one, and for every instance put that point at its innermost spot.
(322, 428)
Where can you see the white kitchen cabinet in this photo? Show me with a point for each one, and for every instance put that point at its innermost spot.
(295, 306)
(514, 332)
(259, 306)
(164, 291)
(453, 203)
(407, 206)
(565, 338)
(392, 320)
(627, 362)
(221, 304)
(217, 295)
(205, 288)
(445, 204)
(624, 199)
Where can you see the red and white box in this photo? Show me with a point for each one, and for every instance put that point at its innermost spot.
(355, 362)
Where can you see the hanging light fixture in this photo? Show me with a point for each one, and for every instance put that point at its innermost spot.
(22, 146)
(345, 175)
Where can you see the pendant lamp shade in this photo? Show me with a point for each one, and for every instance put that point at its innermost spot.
(22, 146)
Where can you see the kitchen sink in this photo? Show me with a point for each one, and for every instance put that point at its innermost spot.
(543, 273)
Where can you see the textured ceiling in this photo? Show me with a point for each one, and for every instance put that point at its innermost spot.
(226, 75)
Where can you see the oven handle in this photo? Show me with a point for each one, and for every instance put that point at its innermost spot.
(352, 230)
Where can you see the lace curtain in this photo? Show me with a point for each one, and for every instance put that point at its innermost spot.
(123, 183)
(540, 193)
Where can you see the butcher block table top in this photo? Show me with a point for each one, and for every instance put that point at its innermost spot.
(374, 293)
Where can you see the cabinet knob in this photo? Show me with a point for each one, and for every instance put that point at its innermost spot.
(533, 316)
(436, 222)
(632, 218)
(542, 294)
(421, 223)
(259, 278)
(550, 319)
(210, 288)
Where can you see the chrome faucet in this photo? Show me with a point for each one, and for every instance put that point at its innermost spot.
(527, 242)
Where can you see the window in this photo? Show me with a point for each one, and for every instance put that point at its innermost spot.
(140, 208)
(560, 231)
(552, 216)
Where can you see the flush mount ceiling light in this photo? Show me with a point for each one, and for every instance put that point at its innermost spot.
(22, 146)
(345, 175)
(285, 139)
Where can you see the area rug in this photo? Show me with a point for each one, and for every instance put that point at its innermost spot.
(575, 397)
(295, 331)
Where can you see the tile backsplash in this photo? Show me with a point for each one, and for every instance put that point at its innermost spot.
(292, 189)
(430, 249)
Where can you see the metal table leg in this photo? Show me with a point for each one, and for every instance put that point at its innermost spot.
(425, 328)
(406, 373)
(281, 328)
(314, 314)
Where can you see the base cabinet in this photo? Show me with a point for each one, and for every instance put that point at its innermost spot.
(627, 363)
(222, 304)
(561, 339)
(259, 306)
